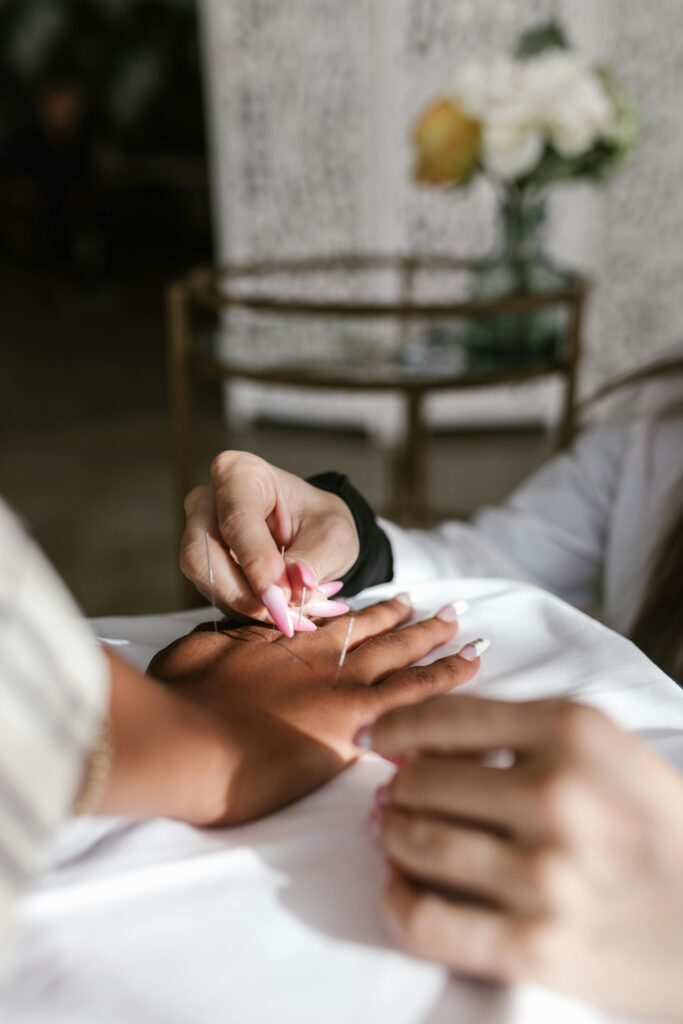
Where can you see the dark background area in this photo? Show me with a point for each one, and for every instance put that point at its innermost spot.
(103, 200)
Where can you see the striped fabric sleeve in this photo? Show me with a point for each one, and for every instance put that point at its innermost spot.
(53, 696)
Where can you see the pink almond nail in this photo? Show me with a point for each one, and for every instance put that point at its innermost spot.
(274, 600)
(302, 624)
(331, 588)
(300, 573)
(327, 609)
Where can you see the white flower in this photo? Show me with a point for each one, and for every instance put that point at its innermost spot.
(525, 104)
(493, 91)
(585, 115)
(511, 151)
(571, 102)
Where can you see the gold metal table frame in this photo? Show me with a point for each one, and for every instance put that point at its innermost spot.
(212, 289)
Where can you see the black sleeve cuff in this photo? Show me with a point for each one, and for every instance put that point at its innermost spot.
(375, 562)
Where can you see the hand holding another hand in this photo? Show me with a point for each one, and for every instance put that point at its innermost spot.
(563, 868)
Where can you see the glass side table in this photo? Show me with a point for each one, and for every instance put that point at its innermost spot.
(360, 324)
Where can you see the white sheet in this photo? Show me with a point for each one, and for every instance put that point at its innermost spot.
(158, 922)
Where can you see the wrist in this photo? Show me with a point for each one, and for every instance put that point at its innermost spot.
(170, 757)
(374, 561)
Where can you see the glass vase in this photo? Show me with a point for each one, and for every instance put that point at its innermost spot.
(519, 266)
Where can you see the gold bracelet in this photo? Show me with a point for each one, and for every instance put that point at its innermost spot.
(96, 773)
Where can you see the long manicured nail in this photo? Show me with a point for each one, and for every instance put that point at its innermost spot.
(303, 625)
(451, 612)
(404, 598)
(327, 609)
(274, 600)
(301, 573)
(331, 588)
(474, 649)
(363, 738)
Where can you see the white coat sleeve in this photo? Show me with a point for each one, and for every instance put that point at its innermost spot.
(53, 695)
(551, 532)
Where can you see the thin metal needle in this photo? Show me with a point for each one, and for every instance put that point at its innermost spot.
(345, 645)
(211, 583)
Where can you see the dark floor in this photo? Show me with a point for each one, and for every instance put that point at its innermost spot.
(85, 450)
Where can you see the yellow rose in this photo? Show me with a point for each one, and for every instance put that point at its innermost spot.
(447, 144)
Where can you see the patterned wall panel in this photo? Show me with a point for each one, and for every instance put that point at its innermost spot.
(310, 107)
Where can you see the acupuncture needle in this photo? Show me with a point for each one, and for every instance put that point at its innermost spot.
(211, 583)
(345, 646)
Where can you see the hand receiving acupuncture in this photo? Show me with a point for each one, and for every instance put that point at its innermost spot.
(287, 712)
(564, 868)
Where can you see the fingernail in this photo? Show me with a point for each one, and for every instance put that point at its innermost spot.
(382, 796)
(331, 588)
(303, 625)
(405, 599)
(363, 738)
(274, 600)
(475, 649)
(450, 612)
(327, 609)
(303, 573)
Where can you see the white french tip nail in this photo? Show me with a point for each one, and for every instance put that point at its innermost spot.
(474, 649)
(452, 611)
(404, 598)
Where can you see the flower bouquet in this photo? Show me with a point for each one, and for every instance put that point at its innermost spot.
(527, 121)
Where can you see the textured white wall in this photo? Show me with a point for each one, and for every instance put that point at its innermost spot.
(310, 104)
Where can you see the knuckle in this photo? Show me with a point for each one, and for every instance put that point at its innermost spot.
(422, 834)
(578, 727)
(417, 923)
(546, 876)
(426, 676)
(224, 462)
(554, 797)
(527, 950)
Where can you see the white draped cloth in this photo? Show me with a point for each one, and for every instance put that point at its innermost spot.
(278, 920)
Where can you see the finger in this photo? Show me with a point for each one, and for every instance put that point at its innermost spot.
(464, 790)
(325, 540)
(468, 860)
(248, 514)
(476, 941)
(231, 591)
(471, 724)
(372, 621)
(385, 655)
(421, 682)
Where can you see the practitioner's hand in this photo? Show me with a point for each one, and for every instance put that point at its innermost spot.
(565, 869)
(289, 714)
(250, 511)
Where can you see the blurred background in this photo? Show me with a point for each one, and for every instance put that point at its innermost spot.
(141, 138)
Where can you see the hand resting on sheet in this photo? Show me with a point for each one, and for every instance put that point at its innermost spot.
(287, 712)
